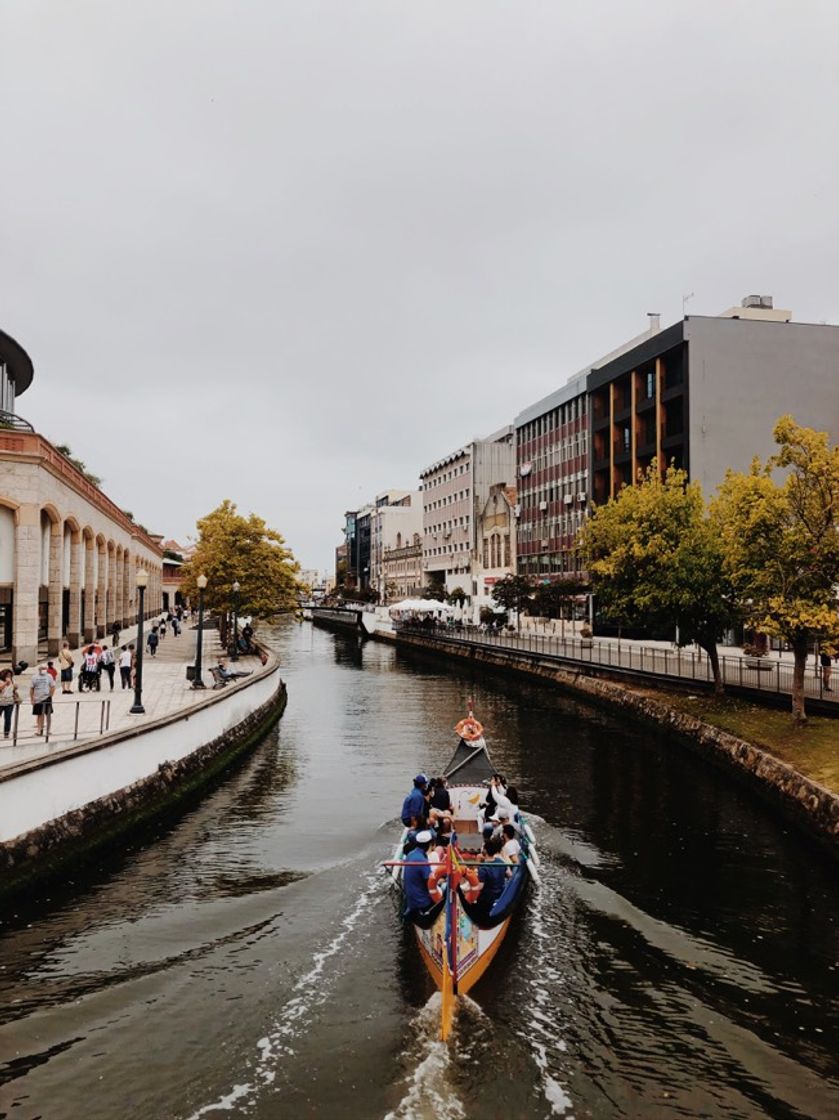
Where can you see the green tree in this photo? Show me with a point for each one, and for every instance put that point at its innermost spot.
(513, 592)
(457, 596)
(781, 543)
(232, 547)
(655, 559)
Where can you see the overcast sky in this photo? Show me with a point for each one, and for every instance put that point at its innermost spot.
(291, 253)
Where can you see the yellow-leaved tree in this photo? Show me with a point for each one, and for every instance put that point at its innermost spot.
(780, 542)
(655, 559)
(234, 548)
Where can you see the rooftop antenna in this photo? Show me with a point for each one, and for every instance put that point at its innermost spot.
(685, 298)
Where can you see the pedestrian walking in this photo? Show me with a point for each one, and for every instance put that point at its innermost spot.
(65, 664)
(40, 693)
(151, 641)
(8, 698)
(107, 661)
(125, 666)
(133, 653)
(115, 635)
(827, 669)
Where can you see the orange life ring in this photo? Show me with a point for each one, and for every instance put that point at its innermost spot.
(470, 729)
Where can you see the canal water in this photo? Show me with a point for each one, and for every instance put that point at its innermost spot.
(245, 958)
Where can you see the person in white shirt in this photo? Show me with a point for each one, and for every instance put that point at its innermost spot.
(125, 666)
(512, 848)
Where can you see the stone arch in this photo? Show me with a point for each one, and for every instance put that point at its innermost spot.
(101, 585)
(88, 582)
(72, 568)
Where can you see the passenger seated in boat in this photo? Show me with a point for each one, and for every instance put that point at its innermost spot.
(507, 800)
(421, 889)
(438, 847)
(414, 806)
(491, 876)
(501, 818)
(495, 785)
(512, 848)
(440, 806)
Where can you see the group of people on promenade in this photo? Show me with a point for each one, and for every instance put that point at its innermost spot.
(157, 630)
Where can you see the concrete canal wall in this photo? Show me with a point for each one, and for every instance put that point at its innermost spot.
(813, 807)
(54, 807)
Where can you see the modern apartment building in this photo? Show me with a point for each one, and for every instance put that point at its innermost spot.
(552, 467)
(455, 490)
(705, 393)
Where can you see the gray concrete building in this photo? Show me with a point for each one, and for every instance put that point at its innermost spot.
(705, 394)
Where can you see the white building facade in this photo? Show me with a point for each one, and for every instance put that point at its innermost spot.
(455, 491)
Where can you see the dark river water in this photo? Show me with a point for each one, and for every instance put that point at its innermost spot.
(245, 958)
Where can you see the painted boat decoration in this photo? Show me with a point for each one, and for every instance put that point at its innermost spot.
(457, 937)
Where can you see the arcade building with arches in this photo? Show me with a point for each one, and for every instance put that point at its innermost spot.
(69, 556)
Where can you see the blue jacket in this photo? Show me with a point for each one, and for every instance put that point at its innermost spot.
(415, 881)
(413, 806)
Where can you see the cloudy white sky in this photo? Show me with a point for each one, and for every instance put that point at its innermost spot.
(291, 253)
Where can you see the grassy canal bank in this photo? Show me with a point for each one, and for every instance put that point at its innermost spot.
(813, 750)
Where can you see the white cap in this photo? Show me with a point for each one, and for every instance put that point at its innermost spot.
(424, 837)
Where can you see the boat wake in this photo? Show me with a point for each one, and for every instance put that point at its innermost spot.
(310, 992)
(539, 1028)
(429, 1094)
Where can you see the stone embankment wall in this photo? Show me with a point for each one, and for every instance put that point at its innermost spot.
(43, 850)
(809, 804)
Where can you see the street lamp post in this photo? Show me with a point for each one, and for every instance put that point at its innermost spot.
(235, 654)
(197, 680)
(137, 707)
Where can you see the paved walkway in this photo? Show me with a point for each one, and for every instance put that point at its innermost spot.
(82, 716)
(772, 673)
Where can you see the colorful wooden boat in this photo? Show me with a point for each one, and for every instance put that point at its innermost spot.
(456, 938)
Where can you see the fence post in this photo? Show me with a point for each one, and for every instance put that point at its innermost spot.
(76, 727)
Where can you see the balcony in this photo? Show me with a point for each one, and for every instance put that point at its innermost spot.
(8, 420)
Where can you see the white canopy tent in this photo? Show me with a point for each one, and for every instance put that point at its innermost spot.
(421, 606)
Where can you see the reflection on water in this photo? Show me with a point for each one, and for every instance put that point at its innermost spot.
(245, 957)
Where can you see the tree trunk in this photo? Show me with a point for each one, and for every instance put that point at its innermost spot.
(799, 649)
(710, 648)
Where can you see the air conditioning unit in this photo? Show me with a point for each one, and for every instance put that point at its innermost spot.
(517, 509)
(568, 499)
(447, 534)
(581, 496)
(543, 506)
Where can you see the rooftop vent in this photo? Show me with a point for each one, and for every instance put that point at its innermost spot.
(757, 301)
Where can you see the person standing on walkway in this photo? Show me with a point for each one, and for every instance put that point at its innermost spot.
(827, 669)
(115, 635)
(41, 693)
(151, 641)
(8, 699)
(125, 667)
(107, 661)
(65, 664)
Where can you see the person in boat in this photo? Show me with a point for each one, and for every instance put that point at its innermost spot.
(496, 783)
(441, 841)
(414, 807)
(501, 818)
(418, 880)
(509, 800)
(491, 877)
(440, 805)
(511, 850)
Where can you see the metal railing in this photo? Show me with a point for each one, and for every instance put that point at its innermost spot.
(762, 674)
(66, 720)
(15, 422)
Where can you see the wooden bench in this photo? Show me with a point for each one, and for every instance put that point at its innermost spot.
(760, 663)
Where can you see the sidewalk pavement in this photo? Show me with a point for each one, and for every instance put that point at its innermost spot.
(81, 716)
